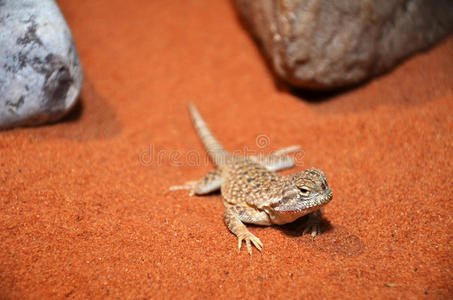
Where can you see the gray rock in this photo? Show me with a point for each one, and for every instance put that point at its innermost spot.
(40, 72)
(323, 44)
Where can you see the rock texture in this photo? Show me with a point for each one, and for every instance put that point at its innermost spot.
(40, 72)
(322, 44)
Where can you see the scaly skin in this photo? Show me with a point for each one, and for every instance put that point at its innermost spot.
(253, 193)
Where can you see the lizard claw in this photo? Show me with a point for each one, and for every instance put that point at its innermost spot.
(249, 237)
(189, 185)
(314, 228)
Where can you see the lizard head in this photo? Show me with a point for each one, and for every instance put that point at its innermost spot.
(306, 192)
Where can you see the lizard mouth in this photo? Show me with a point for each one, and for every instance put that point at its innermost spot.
(288, 215)
(294, 210)
(329, 197)
(306, 207)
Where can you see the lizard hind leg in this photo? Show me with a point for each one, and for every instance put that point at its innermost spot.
(278, 160)
(288, 150)
(209, 183)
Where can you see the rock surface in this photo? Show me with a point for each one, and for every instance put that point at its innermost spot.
(40, 72)
(330, 44)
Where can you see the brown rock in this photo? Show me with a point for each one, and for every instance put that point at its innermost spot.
(329, 44)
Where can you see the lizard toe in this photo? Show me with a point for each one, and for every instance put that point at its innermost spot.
(189, 185)
(249, 239)
(313, 229)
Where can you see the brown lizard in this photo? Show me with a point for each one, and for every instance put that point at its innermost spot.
(253, 193)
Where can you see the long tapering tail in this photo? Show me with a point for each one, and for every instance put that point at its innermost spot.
(214, 148)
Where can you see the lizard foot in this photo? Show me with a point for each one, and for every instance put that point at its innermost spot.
(313, 224)
(247, 237)
(288, 150)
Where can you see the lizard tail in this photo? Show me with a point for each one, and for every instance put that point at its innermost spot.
(214, 148)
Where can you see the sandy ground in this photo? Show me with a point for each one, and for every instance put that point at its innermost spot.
(85, 211)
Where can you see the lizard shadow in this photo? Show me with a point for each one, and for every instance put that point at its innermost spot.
(335, 240)
(296, 228)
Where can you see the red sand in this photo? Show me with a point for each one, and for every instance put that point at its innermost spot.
(85, 212)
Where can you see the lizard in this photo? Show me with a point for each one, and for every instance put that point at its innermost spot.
(254, 193)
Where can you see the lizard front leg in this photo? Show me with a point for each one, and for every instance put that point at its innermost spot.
(209, 183)
(313, 223)
(234, 217)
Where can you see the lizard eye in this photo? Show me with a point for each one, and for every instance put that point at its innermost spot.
(304, 191)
